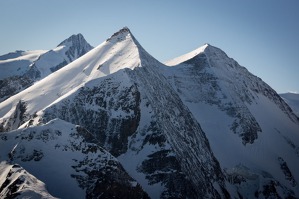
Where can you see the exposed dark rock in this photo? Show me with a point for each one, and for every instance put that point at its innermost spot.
(288, 175)
(113, 132)
(59, 66)
(13, 85)
(18, 117)
(163, 167)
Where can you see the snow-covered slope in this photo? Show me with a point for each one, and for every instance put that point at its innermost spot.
(292, 99)
(252, 131)
(20, 62)
(17, 63)
(21, 69)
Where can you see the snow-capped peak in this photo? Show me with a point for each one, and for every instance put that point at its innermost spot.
(74, 47)
(76, 39)
(120, 35)
(66, 52)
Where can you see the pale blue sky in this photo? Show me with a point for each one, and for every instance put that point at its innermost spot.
(262, 35)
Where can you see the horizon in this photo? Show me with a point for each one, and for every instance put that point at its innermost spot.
(260, 37)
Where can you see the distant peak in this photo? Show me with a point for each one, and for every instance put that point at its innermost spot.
(125, 29)
(206, 45)
(120, 35)
(75, 38)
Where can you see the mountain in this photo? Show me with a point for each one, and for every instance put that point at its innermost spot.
(22, 68)
(107, 91)
(292, 99)
(252, 131)
(201, 127)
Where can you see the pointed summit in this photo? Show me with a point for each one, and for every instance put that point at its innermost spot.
(119, 35)
(66, 52)
(75, 46)
(76, 40)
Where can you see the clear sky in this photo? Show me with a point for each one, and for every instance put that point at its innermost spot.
(262, 35)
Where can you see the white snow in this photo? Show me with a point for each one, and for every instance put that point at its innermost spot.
(186, 57)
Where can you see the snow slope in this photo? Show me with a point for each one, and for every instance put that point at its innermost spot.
(292, 99)
(17, 63)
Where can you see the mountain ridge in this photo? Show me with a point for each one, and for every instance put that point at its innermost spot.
(31, 66)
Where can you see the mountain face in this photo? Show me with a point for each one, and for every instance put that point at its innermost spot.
(21, 69)
(250, 128)
(116, 119)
